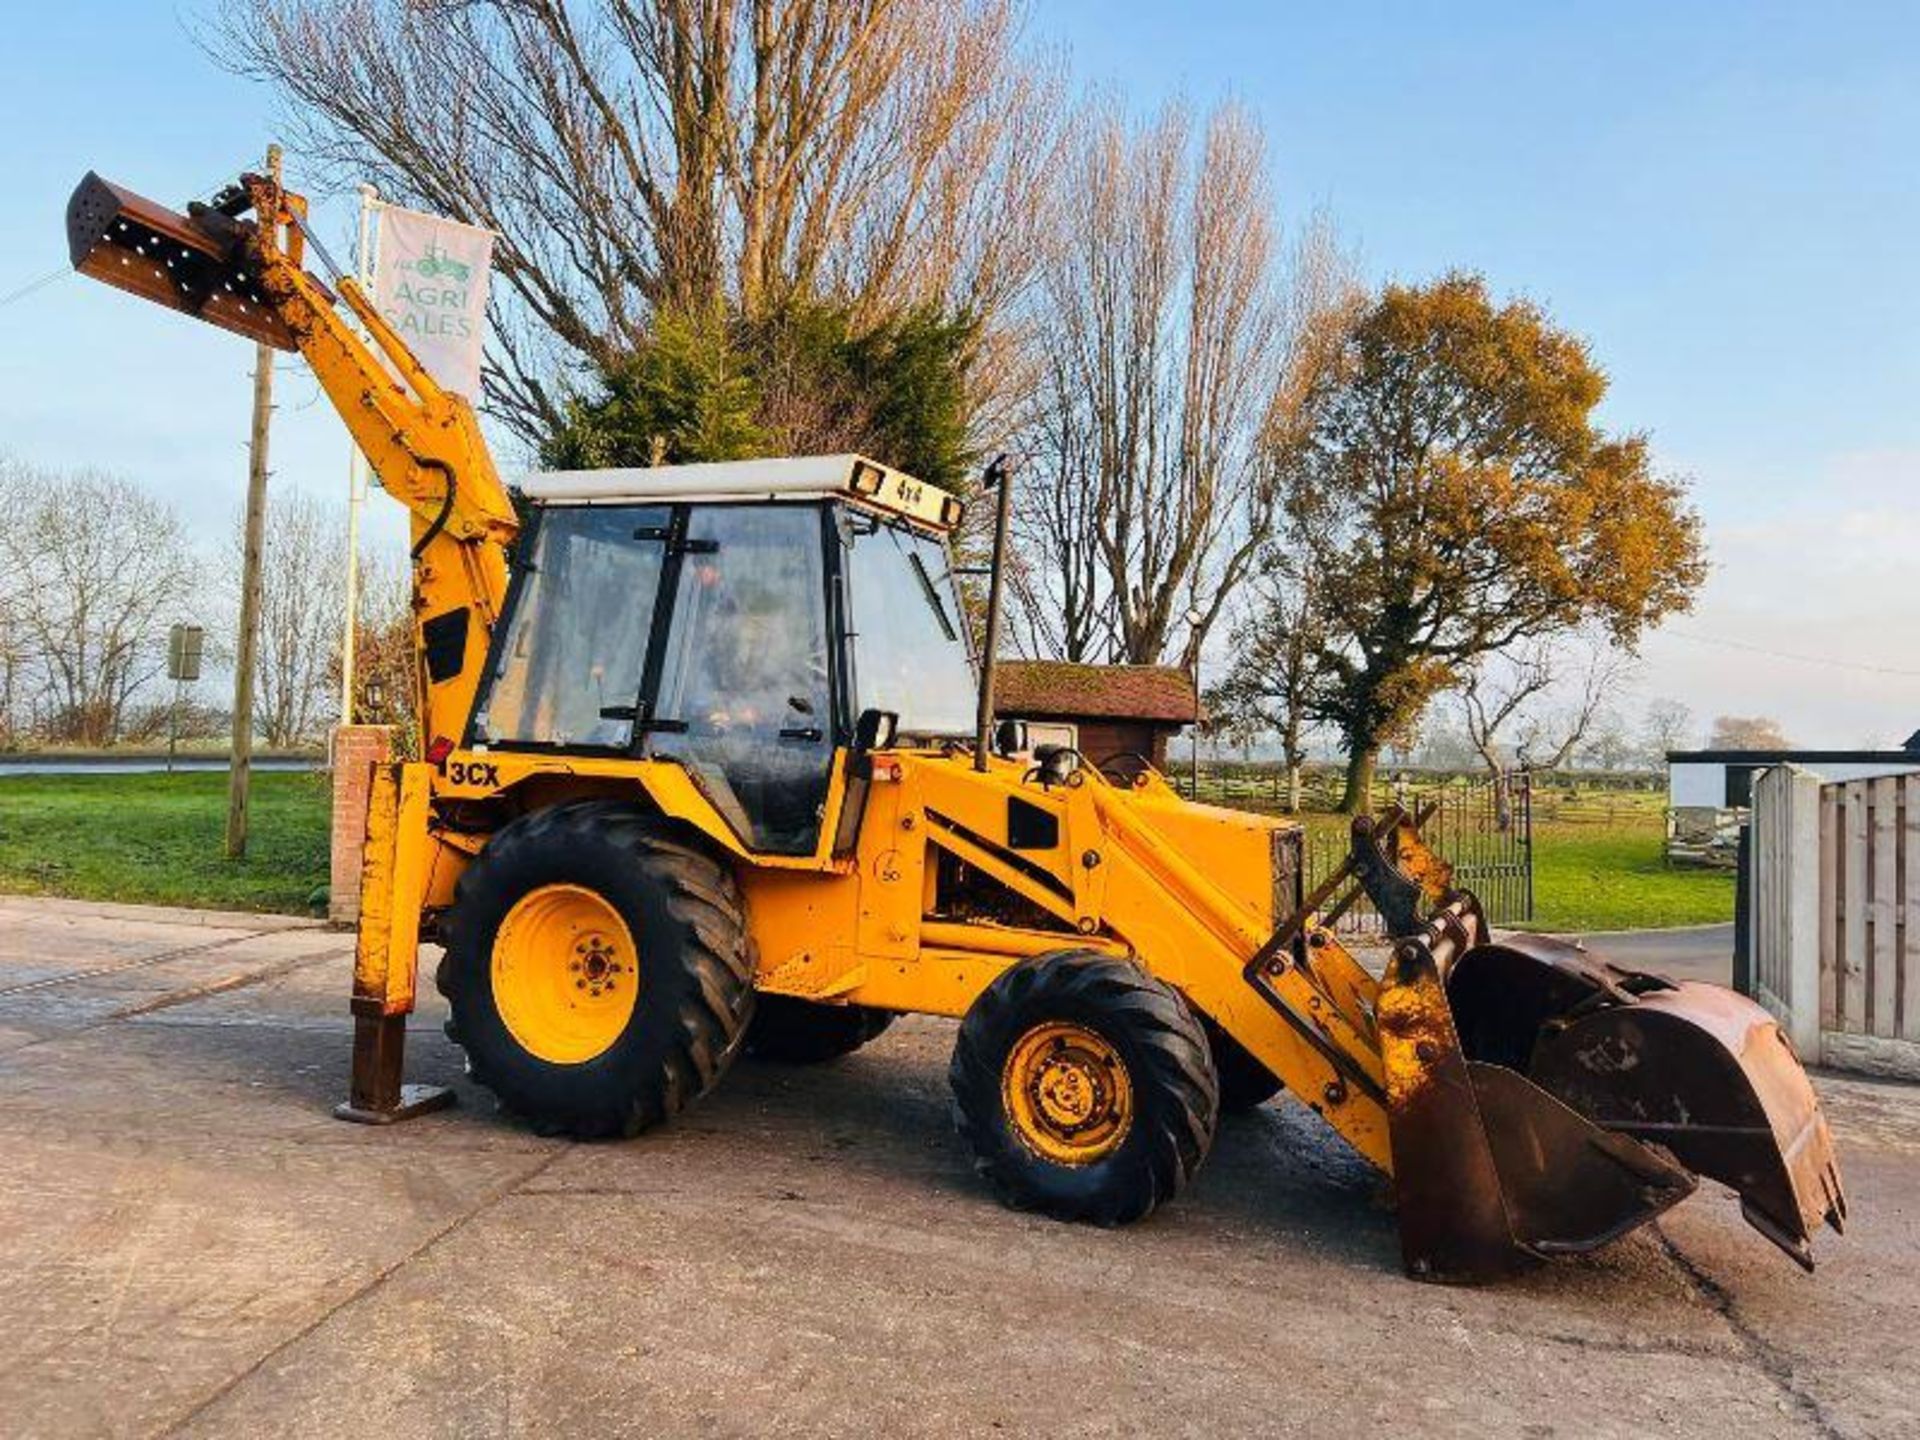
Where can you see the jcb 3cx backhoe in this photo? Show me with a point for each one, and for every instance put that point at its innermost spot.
(696, 781)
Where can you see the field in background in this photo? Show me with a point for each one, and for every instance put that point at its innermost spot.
(1598, 861)
(1588, 878)
(159, 839)
(1599, 844)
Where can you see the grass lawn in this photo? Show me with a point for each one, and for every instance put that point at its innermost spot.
(1589, 877)
(160, 839)
(1600, 872)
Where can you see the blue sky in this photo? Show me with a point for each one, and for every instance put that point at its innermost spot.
(1724, 198)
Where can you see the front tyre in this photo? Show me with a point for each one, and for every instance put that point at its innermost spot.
(598, 969)
(1085, 1088)
(1245, 1084)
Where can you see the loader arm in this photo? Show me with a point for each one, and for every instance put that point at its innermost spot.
(424, 444)
(1525, 1098)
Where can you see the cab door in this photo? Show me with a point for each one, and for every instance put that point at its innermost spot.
(744, 694)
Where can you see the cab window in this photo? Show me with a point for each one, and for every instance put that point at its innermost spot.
(567, 672)
(744, 699)
(910, 651)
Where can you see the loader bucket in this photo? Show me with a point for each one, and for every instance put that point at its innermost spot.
(1542, 1101)
(1490, 1170)
(1705, 1074)
(195, 263)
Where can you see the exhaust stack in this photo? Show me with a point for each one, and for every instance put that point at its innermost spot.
(198, 263)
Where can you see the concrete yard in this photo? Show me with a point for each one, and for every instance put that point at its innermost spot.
(190, 1244)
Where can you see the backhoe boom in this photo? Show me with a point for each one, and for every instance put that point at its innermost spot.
(423, 442)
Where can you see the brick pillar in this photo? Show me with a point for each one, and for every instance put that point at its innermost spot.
(356, 750)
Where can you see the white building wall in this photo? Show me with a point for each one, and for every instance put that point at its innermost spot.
(1692, 784)
(1696, 785)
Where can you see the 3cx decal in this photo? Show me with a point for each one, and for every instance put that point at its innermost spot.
(473, 772)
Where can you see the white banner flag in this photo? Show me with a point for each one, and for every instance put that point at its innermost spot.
(431, 285)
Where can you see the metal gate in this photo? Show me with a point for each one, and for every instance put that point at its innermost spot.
(1486, 835)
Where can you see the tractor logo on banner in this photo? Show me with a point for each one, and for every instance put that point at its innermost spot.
(437, 264)
(431, 284)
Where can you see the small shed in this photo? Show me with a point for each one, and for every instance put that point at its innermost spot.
(1113, 709)
(1709, 792)
(1723, 779)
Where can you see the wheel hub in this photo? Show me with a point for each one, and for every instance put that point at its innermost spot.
(1067, 1093)
(596, 964)
(565, 973)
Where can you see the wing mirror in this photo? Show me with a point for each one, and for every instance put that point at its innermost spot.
(875, 730)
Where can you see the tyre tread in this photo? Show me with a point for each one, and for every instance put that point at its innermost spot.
(1177, 1066)
(712, 1013)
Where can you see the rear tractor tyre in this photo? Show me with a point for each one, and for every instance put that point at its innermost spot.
(1085, 1088)
(790, 1031)
(1245, 1084)
(598, 969)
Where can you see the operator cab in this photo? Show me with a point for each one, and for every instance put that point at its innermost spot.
(734, 618)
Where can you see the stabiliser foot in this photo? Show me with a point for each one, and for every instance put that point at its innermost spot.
(414, 1100)
(375, 1095)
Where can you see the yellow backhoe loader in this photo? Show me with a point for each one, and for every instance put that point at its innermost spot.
(697, 779)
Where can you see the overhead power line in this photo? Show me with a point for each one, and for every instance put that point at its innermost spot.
(1830, 661)
(33, 285)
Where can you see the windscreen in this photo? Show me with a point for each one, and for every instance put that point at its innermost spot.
(568, 671)
(910, 651)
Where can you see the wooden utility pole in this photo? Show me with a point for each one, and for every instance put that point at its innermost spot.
(240, 774)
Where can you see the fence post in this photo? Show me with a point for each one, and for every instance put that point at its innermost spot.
(1783, 902)
(1803, 913)
(1743, 911)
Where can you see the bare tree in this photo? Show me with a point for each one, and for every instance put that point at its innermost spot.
(1607, 743)
(635, 155)
(1667, 725)
(1277, 664)
(1167, 343)
(95, 570)
(1503, 694)
(302, 594)
(13, 654)
(386, 663)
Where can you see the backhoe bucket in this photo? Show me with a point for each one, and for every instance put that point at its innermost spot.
(195, 263)
(1542, 1101)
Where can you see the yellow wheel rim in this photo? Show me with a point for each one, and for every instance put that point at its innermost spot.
(566, 974)
(1067, 1093)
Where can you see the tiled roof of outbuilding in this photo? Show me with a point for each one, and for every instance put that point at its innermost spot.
(1060, 689)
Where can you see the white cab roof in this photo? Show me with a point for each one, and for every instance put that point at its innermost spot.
(799, 477)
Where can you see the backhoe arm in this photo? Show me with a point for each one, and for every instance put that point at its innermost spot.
(248, 275)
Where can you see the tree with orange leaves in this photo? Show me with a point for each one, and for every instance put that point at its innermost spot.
(1448, 487)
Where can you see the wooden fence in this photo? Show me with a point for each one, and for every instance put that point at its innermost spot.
(1835, 915)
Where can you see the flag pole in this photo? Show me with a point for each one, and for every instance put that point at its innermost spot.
(356, 486)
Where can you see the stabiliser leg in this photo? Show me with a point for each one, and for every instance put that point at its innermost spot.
(393, 883)
(375, 1094)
